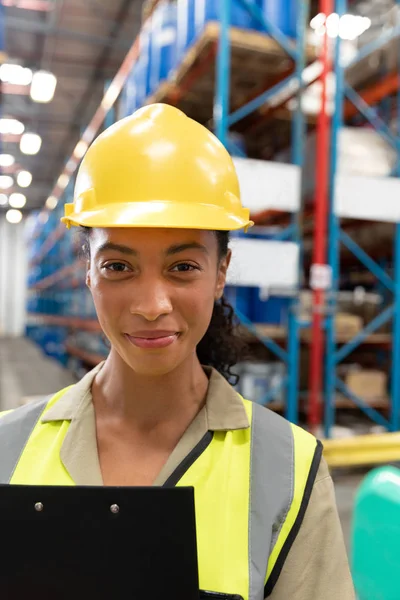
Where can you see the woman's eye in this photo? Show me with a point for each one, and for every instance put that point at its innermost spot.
(184, 268)
(116, 267)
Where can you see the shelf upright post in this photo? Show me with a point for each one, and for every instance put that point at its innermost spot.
(298, 137)
(221, 101)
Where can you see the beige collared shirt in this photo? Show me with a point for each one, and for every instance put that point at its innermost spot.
(316, 567)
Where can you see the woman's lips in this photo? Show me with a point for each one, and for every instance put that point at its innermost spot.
(152, 340)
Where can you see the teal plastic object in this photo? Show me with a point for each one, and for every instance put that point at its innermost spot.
(376, 536)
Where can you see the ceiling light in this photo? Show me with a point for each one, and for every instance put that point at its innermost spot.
(332, 25)
(6, 160)
(62, 181)
(352, 26)
(6, 182)
(3, 199)
(43, 86)
(24, 179)
(17, 200)
(30, 143)
(37, 5)
(80, 149)
(348, 27)
(15, 74)
(14, 216)
(320, 32)
(110, 96)
(51, 202)
(317, 21)
(11, 126)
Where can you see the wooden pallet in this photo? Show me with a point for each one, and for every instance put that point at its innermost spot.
(257, 63)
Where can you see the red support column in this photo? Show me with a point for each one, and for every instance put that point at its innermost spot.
(320, 233)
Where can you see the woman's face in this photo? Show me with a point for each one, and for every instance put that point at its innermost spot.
(154, 292)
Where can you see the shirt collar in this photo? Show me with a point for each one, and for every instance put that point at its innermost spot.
(224, 407)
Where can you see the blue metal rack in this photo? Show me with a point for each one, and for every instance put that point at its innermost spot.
(337, 236)
(223, 120)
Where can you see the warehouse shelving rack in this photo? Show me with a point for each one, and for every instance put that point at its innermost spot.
(224, 119)
(349, 102)
(292, 84)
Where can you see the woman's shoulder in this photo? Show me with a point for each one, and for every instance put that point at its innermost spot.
(33, 404)
(26, 407)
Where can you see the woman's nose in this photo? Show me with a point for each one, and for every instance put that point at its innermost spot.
(151, 300)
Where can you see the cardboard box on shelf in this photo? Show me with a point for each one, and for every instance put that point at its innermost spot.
(368, 384)
(365, 305)
(347, 324)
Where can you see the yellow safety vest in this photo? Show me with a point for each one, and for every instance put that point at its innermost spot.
(252, 487)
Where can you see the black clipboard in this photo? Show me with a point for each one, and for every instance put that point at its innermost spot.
(89, 543)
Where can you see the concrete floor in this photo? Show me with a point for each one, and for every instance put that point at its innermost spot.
(25, 371)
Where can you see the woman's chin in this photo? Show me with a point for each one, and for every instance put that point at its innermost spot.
(154, 363)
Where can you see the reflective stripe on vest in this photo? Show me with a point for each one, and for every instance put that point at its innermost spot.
(15, 430)
(252, 488)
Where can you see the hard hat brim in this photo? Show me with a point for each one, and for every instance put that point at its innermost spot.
(159, 214)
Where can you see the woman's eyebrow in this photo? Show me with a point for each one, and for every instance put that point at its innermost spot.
(117, 248)
(176, 248)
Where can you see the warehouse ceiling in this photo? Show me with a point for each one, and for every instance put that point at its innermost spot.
(83, 43)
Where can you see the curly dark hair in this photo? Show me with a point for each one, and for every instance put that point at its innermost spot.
(221, 346)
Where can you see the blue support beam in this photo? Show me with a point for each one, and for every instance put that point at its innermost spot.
(268, 343)
(371, 115)
(298, 137)
(256, 103)
(367, 261)
(380, 320)
(271, 29)
(270, 396)
(234, 149)
(298, 120)
(285, 234)
(374, 45)
(293, 364)
(221, 102)
(396, 170)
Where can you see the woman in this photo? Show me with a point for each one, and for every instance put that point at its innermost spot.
(156, 196)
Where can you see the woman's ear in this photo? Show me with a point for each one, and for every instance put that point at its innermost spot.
(88, 278)
(221, 277)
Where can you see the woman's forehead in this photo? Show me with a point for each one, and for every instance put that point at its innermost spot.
(135, 237)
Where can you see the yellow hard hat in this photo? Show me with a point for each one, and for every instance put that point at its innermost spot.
(157, 168)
